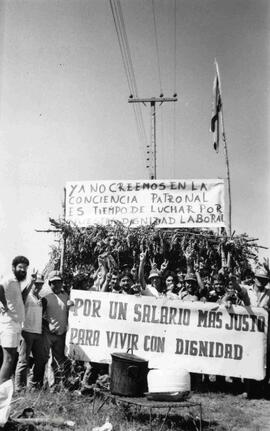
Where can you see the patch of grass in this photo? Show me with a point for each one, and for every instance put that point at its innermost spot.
(221, 412)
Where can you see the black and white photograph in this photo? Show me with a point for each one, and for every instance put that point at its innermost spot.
(134, 215)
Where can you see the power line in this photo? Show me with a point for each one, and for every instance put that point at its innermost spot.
(174, 73)
(126, 44)
(128, 66)
(130, 74)
(120, 40)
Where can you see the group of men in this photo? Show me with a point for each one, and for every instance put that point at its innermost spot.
(34, 323)
(224, 286)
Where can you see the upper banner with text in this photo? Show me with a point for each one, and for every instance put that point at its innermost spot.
(169, 203)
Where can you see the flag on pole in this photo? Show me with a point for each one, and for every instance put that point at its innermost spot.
(217, 104)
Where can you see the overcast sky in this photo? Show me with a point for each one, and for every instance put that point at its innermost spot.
(64, 112)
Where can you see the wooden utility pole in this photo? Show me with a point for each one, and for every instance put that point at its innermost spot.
(153, 101)
(63, 242)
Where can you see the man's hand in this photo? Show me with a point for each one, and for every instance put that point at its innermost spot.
(3, 301)
(143, 256)
(34, 275)
(136, 289)
(266, 265)
(4, 308)
(188, 253)
(109, 276)
(228, 304)
(196, 267)
(153, 264)
(101, 262)
(164, 265)
(133, 271)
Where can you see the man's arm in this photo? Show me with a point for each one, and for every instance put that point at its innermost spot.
(105, 286)
(188, 253)
(29, 286)
(27, 290)
(163, 267)
(199, 279)
(141, 270)
(267, 305)
(3, 298)
(242, 293)
(100, 274)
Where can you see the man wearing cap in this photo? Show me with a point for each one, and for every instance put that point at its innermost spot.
(190, 292)
(33, 340)
(57, 322)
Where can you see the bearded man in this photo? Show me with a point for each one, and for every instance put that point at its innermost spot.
(11, 315)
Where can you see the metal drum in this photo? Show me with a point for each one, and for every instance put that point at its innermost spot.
(128, 375)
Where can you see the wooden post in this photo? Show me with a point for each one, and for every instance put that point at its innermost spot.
(63, 242)
(153, 149)
(153, 138)
(226, 154)
(228, 175)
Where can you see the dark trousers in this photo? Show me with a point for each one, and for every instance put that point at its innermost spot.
(61, 365)
(35, 344)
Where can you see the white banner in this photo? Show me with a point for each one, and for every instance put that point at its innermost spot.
(170, 203)
(201, 338)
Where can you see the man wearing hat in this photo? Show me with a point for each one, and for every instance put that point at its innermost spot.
(259, 293)
(56, 317)
(155, 287)
(33, 340)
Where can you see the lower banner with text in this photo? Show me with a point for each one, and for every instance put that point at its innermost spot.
(199, 337)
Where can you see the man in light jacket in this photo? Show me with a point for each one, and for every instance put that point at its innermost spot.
(11, 315)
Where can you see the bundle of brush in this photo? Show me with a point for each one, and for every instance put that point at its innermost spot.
(119, 246)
